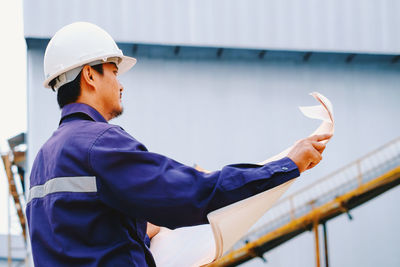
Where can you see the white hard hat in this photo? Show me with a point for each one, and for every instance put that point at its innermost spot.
(79, 44)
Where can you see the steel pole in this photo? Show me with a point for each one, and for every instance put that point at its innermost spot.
(326, 244)
(315, 227)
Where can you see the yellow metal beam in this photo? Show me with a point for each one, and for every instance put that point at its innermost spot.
(14, 193)
(321, 213)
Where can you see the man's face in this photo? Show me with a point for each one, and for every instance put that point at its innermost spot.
(110, 91)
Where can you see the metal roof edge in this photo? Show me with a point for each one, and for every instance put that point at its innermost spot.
(203, 52)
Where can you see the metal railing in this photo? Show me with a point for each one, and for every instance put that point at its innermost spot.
(326, 189)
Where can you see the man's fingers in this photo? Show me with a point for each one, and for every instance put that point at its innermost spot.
(320, 137)
(315, 159)
(318, 146)
(306, 153)
(312, 165)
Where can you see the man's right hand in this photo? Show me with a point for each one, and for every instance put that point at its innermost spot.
(306, 153)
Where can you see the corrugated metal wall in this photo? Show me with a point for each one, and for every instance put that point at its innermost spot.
(360, 26)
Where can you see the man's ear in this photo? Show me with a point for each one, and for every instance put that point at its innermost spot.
(88, 76)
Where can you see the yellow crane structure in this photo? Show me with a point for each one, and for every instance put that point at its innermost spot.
(331, 196)
(14, 164)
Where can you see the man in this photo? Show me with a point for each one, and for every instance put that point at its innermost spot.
(94, 188)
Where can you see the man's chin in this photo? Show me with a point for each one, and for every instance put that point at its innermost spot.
(116, 113)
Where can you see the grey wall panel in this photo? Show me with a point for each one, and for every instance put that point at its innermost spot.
(219, 111)
(43, 114)
(360, 26)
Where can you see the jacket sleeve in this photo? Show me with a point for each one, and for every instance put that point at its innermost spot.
(158, 189)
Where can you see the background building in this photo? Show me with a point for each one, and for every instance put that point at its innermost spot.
(219, 82)
(17, 251)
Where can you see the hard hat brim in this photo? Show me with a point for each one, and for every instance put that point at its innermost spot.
(124, 65)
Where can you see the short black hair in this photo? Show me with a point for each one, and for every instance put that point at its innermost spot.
(69, 92)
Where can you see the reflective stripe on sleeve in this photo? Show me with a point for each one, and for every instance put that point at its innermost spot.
(76, 184)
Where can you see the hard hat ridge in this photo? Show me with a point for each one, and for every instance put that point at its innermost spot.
(79, 44)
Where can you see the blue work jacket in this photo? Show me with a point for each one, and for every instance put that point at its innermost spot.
(93, 187)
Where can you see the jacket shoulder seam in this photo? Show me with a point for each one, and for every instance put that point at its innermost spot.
(94, 142)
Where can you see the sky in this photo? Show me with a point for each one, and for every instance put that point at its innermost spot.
(13, 108)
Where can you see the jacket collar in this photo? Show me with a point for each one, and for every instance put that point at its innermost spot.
(83, 109)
